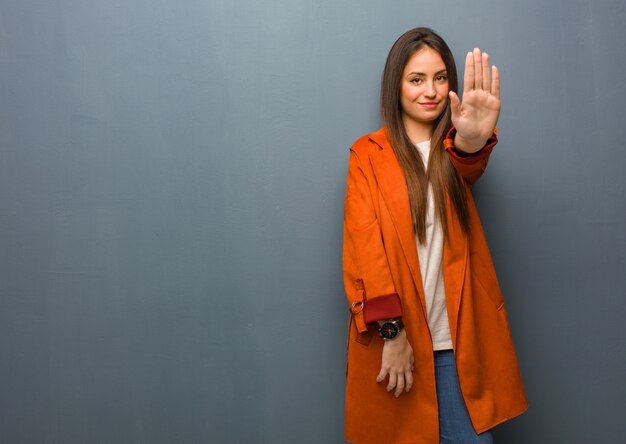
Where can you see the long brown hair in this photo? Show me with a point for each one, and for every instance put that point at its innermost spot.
(441, 173)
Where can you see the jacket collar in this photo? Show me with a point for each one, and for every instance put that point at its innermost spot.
(381, 139)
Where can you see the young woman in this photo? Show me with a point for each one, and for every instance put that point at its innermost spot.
(430, 354)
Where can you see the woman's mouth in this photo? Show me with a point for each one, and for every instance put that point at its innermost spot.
(429, 105)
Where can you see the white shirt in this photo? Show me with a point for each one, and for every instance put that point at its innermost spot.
(431, 267)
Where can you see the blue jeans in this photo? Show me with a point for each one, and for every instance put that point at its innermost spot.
(454, 423)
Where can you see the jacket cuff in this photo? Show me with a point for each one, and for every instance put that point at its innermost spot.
(469, 158)
(382, 307)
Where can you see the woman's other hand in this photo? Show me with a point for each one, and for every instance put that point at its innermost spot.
(398, 363)
(476, 117)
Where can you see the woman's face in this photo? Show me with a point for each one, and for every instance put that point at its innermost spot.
(424, 88)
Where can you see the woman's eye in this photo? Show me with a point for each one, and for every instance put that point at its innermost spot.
(416, 80)
(442, 78)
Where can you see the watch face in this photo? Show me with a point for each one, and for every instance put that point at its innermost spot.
(389, 330)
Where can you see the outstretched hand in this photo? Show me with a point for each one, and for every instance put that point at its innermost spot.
(476, 117)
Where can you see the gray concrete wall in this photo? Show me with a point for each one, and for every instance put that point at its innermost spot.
(171, 188)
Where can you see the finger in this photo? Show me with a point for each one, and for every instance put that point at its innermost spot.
(412, 364)
(495, 81)
(392, 381)
(478, 70)
(408, 378)
(399, 385)
(455, 104)
(486, 73)
(468, 78)
(381, 375)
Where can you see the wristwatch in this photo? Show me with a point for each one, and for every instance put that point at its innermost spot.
(391, 328)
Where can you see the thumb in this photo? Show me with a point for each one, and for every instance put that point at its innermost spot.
(455, 104)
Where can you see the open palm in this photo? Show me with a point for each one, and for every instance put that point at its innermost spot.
(476, 116)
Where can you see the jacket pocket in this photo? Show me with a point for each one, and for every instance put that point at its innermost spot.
(488, 281)
(493, 292)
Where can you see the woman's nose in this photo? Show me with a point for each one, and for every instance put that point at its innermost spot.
(430, 90)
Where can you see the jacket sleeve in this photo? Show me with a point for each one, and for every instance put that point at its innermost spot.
(368, 283)
(470, 166)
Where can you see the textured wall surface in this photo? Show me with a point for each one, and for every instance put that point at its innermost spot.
(171, 195)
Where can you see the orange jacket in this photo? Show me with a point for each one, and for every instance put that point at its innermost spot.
(380, 261)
